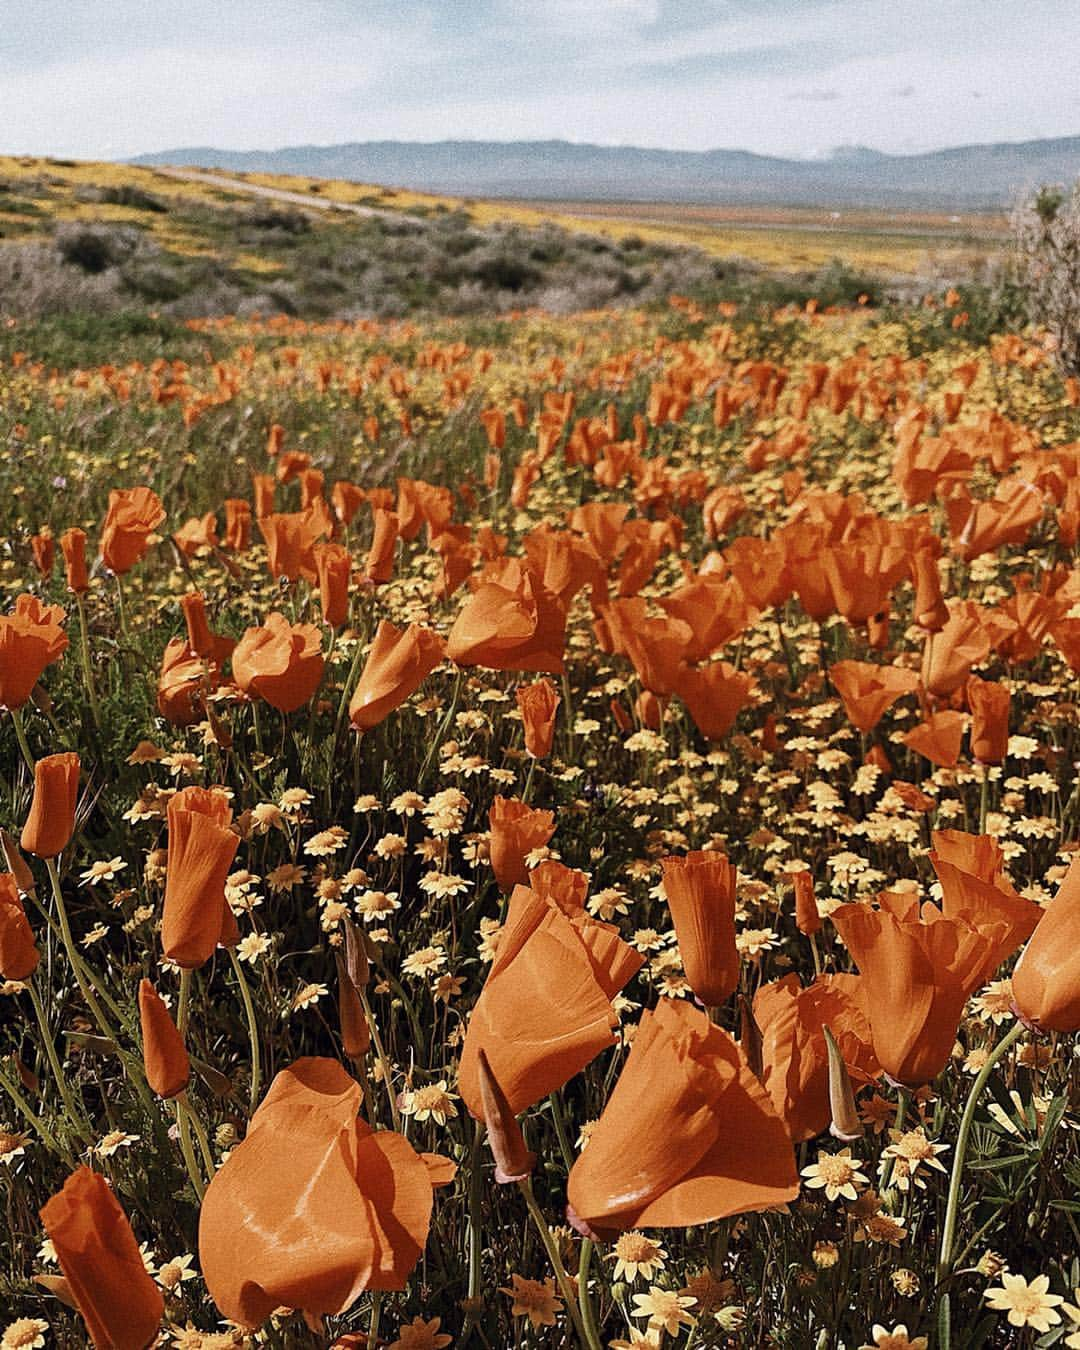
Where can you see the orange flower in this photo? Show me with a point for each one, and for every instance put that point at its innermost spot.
(714, 695)
(700, 890)
(263, 487)
(133, 515)
(929, 609)
(100, 1258)
(196, 533)
(164, 1057)
(199, 637)
(334, 568)
(918, 969)
(51, 821)
(18, 950)
(186, 678)
(656, 647)
(30, 639)
(290, 543)
(510, 623)
(73, 547)
(379, 566)
(538, 704)
(1046, 979)
(715, 608)
(43, 547)
(280, 662)
(237, 524)
(1007, 518)
(545, 1010)
(312, 1207)
(516, 829)
(399, 661)
(195, 916)
(949, 654)
(989, 704)
(868, 690)
(420, 503)
(938, 738)
(807, 916)
(687, 1136)
(796, 1067)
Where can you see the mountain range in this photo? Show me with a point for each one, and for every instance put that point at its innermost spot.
(968, 177)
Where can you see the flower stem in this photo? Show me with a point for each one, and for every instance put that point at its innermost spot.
(551, 1247)
(253, 1032)
(84, 651)
(588, 1313)
(384, 1063)
(20, 736)
(78, 1120)
(184, 1132)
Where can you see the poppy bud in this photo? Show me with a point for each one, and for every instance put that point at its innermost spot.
(237, 524)
(334, 569)
(356, 958)
(16, 864)
(199, 638)
(196, 916)
(100, 1259)
(1046, 980)
(929, 610)
(355, 1032)
(18, 951)
(398, 662)
(51, 821)
(648, 711)
(538, 704)
(751, 1041)
(807, 918)
(513, 1161)
(44, 549)
(845, 1124)
(700, 890)
(989, 704)
(379, 566)
(164, 1057)
(73, 547)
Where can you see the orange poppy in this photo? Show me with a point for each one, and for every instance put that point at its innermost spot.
(186, 678)
(545, 1009)
(948, 655)
(807, 915)
(90, 1233)
(164, 1057)
(313, 1206)
(195, 915)
(928, 609)
(516, 829)
(700, 892)
(687, 1136)
(133, 515)
(334, 569)
(347, 499)
(30, 639)
(399, 661)
(938, 738)
(538, 704)
(868, 689)
(18, 950)
(51, 821)
(43, 547)
(379, 566)
(237, 524)
(510, 622)
(280, 662)
(795, 1061)
(655, 647)
(1046, 979)
(73, 547)
(989, 704)
(290, 544)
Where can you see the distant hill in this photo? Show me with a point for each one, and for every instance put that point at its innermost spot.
(967, 177)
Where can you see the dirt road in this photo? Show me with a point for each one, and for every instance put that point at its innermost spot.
(304, 199)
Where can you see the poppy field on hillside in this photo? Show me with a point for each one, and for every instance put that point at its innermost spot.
(543, 832)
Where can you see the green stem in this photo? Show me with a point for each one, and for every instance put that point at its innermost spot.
(588, 1313)
(185, 1148)
(476, 1236)
(952, 1208)
(552, 1249)
(78, 1119)
(32, 1119)
(253, 1032)
(84, 650)
(183, 1011)
(984, 798)
(903, 1100)
(447, 721)
(373, 1329)
(200, 1133)
(561, 1130)
(384, 1063)
(20, 736)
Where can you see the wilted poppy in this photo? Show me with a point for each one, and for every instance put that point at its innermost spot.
(279, 662)
(51, 821)
(18, 950)
(700, 891)
(133, 515)
(196, 916)
(516, 830)
(119, 1301)
(538, 704)
(687, 1136)
(30, 639)
(312, 1207)
(164, 1056)
(399, 661)
(1046, 979)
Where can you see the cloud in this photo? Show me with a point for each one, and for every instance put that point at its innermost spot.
(814, 95)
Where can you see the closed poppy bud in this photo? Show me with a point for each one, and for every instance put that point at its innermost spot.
(355, 1032)
(18, 951)
(199, 638)
(929, 610)
(195, 915)
(1046, 979)
(237, 524)
(30, 639)
(133, 515)
(516, 830)
(989, 704)
(379, 566)
(357, 965)
(44, 550)
(845, 1124)
(700, 891)
(647, 710)
(164, 1057)
(538, 704)
(51, 821)
(334, 568)
(263, 487)
(97, 1251)
(280, 662)
(73, 547)
(513, 1161)
(275, 439)
(399, 661)
(16, 864)
(807, 918)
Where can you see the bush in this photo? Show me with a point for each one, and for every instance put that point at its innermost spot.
(96, 248)
(1046, 234)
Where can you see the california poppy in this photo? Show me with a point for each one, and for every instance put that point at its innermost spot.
(164, 1056)
(545, 1009)
(334, 569)
(196, 916)
(43, 547)
(700, 892)
(186, 678)
(989, 704)
(379, 566)
(237, 524)
(290, 543)
(928, 609)
(73, 547)
(279, 662)
(97, 1251)
(133, 515)
(51, 821)
(1046, 979)
(868, 689)
(687, 1136)
(949, 654)
(399, 661)
(516, 829)
(714, 695)
(312, 1207)
(18, 950)
(938, 738)
(538, 704)
(510, 623)
(30, 639)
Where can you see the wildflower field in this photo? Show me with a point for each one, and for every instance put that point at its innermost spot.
(520, 831)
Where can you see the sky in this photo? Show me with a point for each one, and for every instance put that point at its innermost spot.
(114, 78)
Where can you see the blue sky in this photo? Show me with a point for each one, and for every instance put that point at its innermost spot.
(793, 77)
